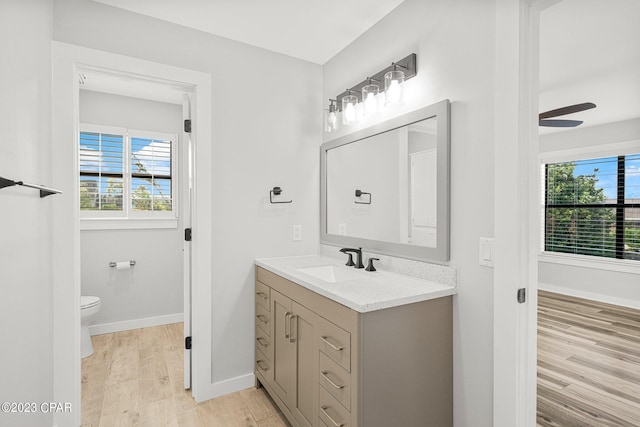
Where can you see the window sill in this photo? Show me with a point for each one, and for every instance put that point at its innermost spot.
(585, 261)
(127, 223)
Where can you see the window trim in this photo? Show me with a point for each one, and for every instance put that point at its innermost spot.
(128, 218)
(617, 149)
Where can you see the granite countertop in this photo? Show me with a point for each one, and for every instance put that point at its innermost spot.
(362, 290)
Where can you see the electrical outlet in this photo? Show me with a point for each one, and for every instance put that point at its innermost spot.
(342, 229)
(296, 233)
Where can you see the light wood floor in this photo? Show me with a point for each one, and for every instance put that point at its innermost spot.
(135, 378)
(588, 363)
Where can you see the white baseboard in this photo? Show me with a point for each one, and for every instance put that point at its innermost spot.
(126, 325)
(231, 385)
(623, 302)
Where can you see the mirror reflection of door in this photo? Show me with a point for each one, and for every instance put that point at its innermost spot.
(423, 198)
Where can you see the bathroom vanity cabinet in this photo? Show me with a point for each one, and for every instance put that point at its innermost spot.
(328, 365)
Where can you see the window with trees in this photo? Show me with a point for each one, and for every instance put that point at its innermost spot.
(126, 173)
(592, 207)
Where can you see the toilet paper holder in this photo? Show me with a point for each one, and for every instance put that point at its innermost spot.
(113, 263)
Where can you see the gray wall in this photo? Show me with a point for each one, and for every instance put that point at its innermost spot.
(266, 128)
(607, 285)
(455, 44)
(154, 287)
(26, 358)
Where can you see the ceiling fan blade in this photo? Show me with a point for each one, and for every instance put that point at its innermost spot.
(560, 123)
(567, 110)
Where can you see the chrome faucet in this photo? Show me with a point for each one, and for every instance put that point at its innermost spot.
(358, 252)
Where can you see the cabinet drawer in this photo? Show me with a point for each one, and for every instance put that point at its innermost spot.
(263, 366)
(331, 412)
(335, 380)
(264, 344)
(263, 295)
(263, 319)
(335, 342)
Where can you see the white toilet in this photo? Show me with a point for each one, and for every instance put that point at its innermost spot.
(88, 307)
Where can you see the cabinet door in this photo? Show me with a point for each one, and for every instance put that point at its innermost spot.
(284, 348)
(305, 336)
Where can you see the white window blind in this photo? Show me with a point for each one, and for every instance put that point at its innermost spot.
(126, 174)
(151, 174)
(592, 207)
(101, 171)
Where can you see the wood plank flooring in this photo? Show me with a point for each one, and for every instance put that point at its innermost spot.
(135, 378)
(588, 363)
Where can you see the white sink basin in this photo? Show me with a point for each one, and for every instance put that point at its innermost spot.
(333, 273)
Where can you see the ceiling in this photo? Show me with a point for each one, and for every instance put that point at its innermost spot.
(589, 52)
(312, 30)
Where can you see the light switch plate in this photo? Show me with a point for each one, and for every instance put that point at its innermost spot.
(296, 233)
(485, 252)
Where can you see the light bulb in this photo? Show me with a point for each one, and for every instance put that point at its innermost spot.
(369, 100)
(350, 113)
(393, 88)
(393, 93)
(332, 120)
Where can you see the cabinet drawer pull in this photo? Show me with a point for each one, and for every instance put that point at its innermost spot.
(262, 365)
(292, 337)
(324, 375)
(324, 411)
(336, 348)
(287, 321)
(263, 343)
(262, 295)
(262, 318)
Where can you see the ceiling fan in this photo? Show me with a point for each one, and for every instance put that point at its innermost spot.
(543, 118)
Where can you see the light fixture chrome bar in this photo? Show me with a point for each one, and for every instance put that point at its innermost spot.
(44, 191)
(407, 64)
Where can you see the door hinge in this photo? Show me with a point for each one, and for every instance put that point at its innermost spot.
(187, 125)
(522, 295)
(187, 343)
(187, 234)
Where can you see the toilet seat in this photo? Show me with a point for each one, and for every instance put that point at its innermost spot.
(88, 302)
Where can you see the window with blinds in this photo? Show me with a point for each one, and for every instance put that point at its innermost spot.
(151, 174)
(126, 173)
(592, 207)
(101, 171)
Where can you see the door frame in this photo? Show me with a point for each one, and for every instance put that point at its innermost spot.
(516, 219)
(66, 59)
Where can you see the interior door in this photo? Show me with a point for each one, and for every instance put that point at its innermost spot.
(186, 153)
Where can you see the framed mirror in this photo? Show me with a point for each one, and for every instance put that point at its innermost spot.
(386, 188)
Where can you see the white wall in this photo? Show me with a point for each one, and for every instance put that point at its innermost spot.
(26, 358)
(455, 44)
(154, 287)
(265, 133)
(596, 283)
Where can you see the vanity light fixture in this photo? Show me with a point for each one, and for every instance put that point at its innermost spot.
(331, 119)
(349, 108)
(360, 98)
